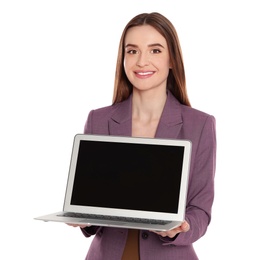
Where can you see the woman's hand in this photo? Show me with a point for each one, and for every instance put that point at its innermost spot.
(77, 225)
(184, 227)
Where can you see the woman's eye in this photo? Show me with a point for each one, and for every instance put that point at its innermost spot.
(132, 51)
(155, 51)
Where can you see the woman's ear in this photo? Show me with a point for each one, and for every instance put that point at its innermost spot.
(170, 65)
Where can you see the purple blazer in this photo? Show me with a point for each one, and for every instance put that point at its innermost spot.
(178, 122)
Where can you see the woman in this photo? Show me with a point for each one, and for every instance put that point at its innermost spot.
(150, 100)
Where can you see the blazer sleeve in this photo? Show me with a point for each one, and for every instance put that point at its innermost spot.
(201, 187)
(88, 125)
(91, 230)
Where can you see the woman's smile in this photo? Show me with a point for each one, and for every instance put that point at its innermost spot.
(144, 74)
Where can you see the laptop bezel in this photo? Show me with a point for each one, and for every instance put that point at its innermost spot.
(179, 216)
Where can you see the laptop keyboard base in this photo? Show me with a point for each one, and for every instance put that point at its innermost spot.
(113, 218)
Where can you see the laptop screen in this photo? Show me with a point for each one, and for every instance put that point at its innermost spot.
(130, 176)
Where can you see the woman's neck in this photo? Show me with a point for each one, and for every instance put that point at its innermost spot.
(146, 112)
(147, 105)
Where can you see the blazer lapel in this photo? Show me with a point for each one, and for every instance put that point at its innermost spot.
(120, 122)
(170, 123)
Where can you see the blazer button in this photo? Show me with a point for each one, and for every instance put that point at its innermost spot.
(145, 235)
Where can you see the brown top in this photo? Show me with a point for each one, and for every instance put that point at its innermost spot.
(131, 250)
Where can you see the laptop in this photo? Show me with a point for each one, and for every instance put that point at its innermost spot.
(128, 182)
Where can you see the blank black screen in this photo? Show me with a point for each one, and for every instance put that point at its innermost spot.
(128, 176)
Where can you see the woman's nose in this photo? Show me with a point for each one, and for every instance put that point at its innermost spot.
(143, 59)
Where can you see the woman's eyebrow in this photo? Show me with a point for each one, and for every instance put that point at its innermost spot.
(150, 45)
(131, 45)
(156, 45)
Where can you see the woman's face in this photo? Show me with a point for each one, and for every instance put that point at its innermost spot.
(146, 59)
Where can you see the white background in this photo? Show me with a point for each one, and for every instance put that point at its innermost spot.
(57, 62)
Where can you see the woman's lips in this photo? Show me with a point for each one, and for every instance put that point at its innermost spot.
(144, 74)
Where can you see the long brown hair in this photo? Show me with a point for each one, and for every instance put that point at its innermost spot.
(176, 82)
